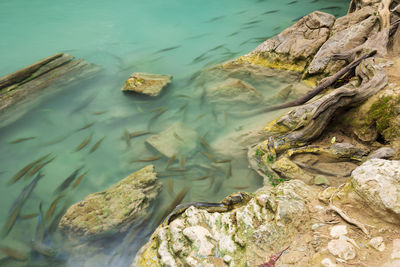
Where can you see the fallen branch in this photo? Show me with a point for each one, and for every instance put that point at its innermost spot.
(348, 219)
(328, 82)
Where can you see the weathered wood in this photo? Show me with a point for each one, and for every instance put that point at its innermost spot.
(26, 72)
(328, 82)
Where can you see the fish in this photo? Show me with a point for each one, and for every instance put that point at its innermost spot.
(84, 143)
(127, 138)
(200, 116)
(293, 2)
(276, 28)
(229, 170)
(252, 22)
(175, 202)
(13, 253)
(215, 19)
(177, 170)
(329, 8)
(204, 142)
(273, 259)
(182, 162)
(139, 133)
(39, 235)
(29, 216)
(214, 112)
(52, 207)
(183, 107)
(178, 137)
(201, 178)
(170, 160)
(86, 126)
(79, 179)
(298, 18)
(184, 96)
(25, 193)
(98, 112)
(25, 169)
(11, 220)
(270, 12)
(84, 104)
(67, 181)
(56, 220)
(152, 120)
(96, 146)
(38, 168)
(19, 140)
(223, 161)
(170, 187)
(42, 249)
(212, 181)
(201, 58)
(167, 49)
(148, 159)
(57, 140)
(234, 33)
(168, 174)
(209, 156)
(218, 185)
(240, 187)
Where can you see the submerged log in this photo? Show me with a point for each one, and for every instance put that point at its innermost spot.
(48, 75)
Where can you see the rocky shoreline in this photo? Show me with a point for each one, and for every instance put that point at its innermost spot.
(333, 161)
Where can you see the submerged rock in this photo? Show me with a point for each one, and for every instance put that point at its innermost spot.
(234, 90)
(177, 140)
(377, 181)
(113, 210)
(145, 83)
(244, 236)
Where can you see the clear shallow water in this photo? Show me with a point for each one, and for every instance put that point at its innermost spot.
(124, 37)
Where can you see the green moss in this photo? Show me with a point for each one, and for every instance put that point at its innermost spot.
(381, 112)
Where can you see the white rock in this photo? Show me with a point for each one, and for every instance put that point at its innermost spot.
(327, 263)
(200, 236)
(377, 181)
(338, 230)
(377, 243)
(396, 250)
(342, 249)
(227, 258)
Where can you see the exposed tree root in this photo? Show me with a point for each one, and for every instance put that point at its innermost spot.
(349, 219)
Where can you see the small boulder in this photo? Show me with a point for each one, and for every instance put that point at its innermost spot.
(234, 90)
(377, 182)
(342, 248)
(177, 140)
(377, 243)
(382, 153)
(113, 210)
(145, 83)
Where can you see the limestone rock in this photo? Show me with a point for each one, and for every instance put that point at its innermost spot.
(338, 230)
(178, 140)
(351, 19)
(328, 263)
(244, 236)
(113, 210)
(377, 181)
(395, 250)
(382, 153)
(340, 42)
(285, 167)
(321, 180)
(292, 48)
(377, 243)
(342, 248)
(145, 83)
(234, 90)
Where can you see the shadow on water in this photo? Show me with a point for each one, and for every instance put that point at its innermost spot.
(86, 124)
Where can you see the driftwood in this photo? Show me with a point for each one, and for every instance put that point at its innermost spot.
(328, 82)
(349, 219)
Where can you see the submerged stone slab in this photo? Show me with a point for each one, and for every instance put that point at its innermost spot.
(145, 83)
(113, 210)
(178, 140)
(234, 90)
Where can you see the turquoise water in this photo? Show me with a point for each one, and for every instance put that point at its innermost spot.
(123, 37)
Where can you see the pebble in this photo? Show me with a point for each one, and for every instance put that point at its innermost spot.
(338, 230)
(377, 243)
(342, 249)
(328, 263)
